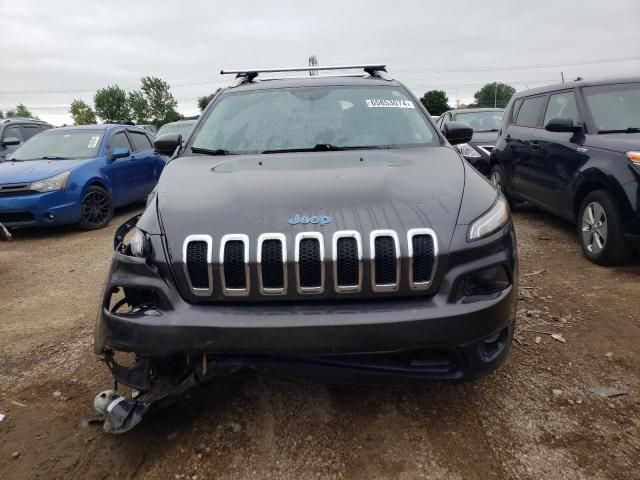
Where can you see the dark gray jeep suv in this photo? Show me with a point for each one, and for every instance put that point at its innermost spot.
(318, 226)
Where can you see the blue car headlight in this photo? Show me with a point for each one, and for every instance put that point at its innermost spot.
(51, 184)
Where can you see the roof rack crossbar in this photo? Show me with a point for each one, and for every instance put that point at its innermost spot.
(248, 75)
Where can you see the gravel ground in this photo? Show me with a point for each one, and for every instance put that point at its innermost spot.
(536, 417)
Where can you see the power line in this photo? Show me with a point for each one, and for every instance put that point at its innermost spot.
(494, 68)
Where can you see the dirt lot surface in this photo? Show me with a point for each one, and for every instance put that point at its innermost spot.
(534, 418)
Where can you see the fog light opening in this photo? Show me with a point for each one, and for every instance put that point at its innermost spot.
(479, 285)
(494, 345)
(50, 216)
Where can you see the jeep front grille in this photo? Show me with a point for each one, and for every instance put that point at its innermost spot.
(387, 268)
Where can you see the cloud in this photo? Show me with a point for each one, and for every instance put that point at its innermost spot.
(53, 52)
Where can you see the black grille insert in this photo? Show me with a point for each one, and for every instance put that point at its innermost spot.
(9, 217)
(385, 261)
(423, 256)
(310, 263)
(234, 267)
(348, 264)
(197, 264)
(272, 266)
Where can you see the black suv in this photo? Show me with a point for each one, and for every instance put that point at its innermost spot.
(486, 124)
(319, 226)
(14, 131)
(573, 149)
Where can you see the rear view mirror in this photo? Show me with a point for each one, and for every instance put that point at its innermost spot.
(120, 153)
(167, 143)
(457, 132)
(11, 141)
(558, 124)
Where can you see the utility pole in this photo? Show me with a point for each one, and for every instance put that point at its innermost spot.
(457, 99)
(562, 76)
(313, 62)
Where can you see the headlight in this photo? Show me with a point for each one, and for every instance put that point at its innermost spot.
(634, 157)
(467, 150)
(492, 220)
(139, 244)
(51, 184)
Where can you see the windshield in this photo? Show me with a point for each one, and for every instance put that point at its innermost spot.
(614, 107)
(60, 145)
(481, 121)
(302, 118)
(182, 128)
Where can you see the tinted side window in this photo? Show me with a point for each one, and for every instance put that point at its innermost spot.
(13, 132)
(45, 127)
(119, 140)
(140, 141)
(516, 108)
(29, 131)
(530, 112)
(561, 105)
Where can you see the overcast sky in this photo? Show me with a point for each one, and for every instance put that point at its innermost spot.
(53, 52)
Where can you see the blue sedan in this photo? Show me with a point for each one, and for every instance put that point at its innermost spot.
(77, 175)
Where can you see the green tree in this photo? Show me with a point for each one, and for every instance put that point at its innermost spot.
(162, 103)
(1, 114)
(111, 104)
(22, 111)
(206, 99)
(11, 113)
(82, 113)
(493, 94)
(436, 101)
(138, 106)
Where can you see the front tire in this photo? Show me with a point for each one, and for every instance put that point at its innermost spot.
(601, 230)
(97, 209)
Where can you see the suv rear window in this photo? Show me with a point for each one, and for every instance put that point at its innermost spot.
(530, 111)
(304, 117)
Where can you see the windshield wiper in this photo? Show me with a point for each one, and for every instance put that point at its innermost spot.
(326, 147)
(622, 130)
(54, 157)
(206, 151)
(483, 131)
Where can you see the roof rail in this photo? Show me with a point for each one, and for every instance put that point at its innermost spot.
(248, 75)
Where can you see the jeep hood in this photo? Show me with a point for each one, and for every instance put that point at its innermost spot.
(359, 190)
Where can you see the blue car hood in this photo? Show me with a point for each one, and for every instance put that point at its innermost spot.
(33, 170)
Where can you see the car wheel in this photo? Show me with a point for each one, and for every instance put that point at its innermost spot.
(601, 230)
(496, 177)
(97, 209)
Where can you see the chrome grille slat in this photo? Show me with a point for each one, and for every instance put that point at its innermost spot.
(300, 269)
(234, 264)
(272, 271)
(414, 260)
(385, 261)
(199, 291)
(342, 264)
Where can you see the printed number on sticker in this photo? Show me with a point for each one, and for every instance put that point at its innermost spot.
(389, 103)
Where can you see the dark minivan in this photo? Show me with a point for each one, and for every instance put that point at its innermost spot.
(573, 149)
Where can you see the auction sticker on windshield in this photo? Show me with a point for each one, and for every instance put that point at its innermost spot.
(386, 103)
(93, 141)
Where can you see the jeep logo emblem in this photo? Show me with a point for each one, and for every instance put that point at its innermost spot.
(315, 219)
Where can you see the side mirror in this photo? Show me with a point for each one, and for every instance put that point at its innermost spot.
(166, 144)
(457, 132)
(11, 141)
(120, 153)
(558, 124)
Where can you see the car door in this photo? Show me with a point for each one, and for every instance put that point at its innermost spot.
(11, 131)
(121, 171)
(147, 162)
(556, 158)
(518, 136)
